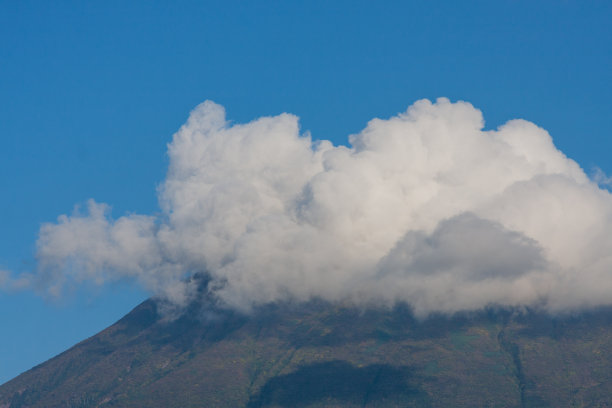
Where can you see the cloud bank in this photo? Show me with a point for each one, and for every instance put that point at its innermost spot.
(425, 208)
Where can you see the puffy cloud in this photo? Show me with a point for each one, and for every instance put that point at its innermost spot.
(425, 207)
(92, 247)
(465, 263)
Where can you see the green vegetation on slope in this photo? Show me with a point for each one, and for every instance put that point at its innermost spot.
(318, 354)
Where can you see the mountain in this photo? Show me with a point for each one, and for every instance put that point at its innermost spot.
(325, 355)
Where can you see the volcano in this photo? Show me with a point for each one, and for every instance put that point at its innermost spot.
(319, 354)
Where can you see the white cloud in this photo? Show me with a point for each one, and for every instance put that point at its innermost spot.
(424, 207)
(601, 178)
(465, 263)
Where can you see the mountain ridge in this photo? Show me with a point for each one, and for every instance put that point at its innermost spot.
(323, 354)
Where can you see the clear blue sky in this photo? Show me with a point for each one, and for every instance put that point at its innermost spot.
(91, 93)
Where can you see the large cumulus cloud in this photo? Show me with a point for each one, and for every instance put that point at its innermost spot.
(425, 207)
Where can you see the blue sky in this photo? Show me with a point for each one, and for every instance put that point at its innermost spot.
(91, 93)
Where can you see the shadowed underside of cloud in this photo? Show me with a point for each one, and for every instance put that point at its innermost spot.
(425, 207)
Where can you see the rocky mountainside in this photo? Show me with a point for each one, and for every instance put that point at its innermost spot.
(324, 355)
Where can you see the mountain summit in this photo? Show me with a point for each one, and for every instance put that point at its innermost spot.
(325, 355)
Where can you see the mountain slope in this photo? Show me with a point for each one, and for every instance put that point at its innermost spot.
(320, 354)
